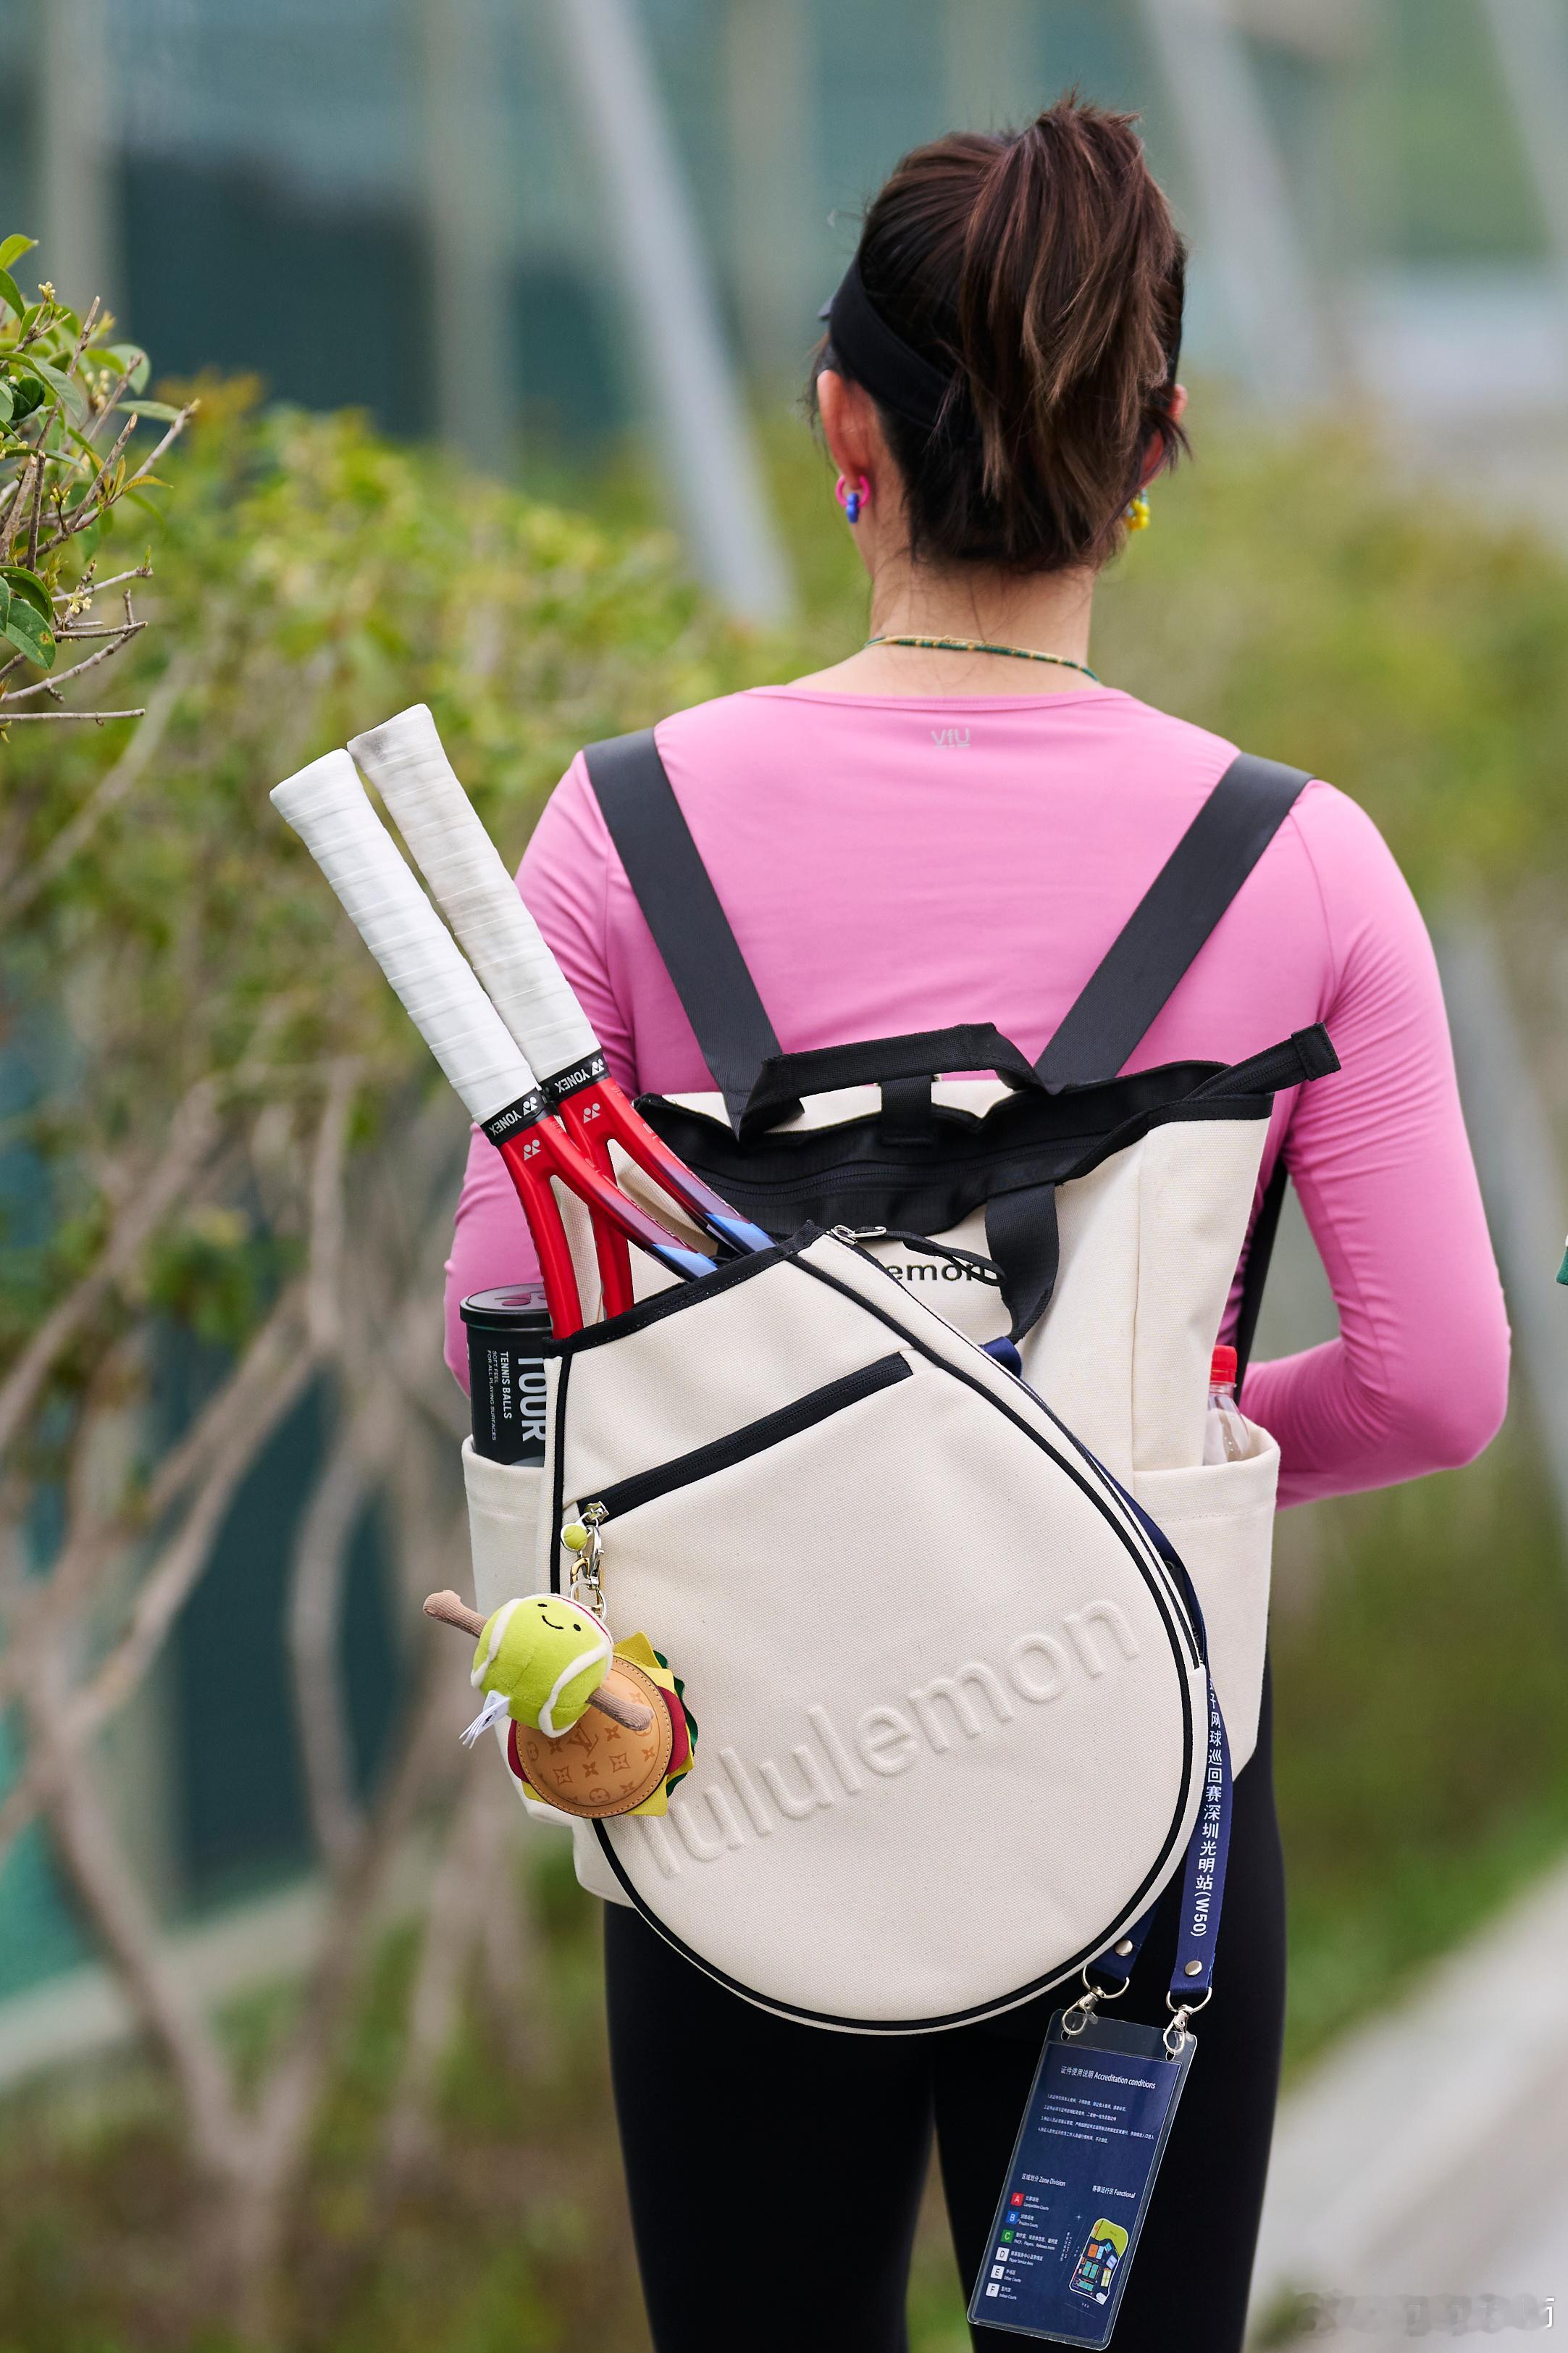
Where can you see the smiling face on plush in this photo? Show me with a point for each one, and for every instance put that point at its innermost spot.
(546, 1656)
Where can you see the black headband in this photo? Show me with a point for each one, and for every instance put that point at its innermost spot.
(892, 373)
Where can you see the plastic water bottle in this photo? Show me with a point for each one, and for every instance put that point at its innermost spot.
(1227, 1438)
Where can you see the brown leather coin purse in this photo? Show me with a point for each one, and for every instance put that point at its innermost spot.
(598, 1767)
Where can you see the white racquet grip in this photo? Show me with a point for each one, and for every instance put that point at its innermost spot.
(404, 759)
(327, 808)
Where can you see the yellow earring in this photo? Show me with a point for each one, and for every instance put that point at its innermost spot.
(1137, 517)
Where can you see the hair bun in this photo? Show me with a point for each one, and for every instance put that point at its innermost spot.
(1043, 269)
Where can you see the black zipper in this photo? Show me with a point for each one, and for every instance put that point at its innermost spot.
(754, 1437)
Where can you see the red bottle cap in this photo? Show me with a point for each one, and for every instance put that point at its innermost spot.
(1222, 1370)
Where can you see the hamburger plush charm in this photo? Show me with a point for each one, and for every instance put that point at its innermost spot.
(596, 1727)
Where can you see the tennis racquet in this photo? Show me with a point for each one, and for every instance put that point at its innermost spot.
(327, 808)
(404, 758)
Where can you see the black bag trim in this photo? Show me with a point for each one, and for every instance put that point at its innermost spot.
(661, 1303)
(681, 909)
(753, 1438)
(1172, 1614)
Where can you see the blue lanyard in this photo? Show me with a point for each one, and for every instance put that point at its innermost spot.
(1208, 1850)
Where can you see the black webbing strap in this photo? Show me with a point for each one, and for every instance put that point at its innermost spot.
(1172, 921)
(682, 909)
(1255, 1272)
(1024, 1241)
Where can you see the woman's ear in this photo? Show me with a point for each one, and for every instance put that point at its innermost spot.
(1159, 443)
(851, 427)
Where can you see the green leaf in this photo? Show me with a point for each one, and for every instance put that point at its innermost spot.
(28, 634)
(158, 409)
(7, 401)
(14, 248)
(27, 394)
(29, 587)
(130, 359)
(65, 387)
(11, 293)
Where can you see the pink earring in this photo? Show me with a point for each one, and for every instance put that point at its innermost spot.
(852, 500)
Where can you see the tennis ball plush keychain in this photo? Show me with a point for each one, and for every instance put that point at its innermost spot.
(597, 1727)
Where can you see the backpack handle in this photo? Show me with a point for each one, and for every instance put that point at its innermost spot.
(785, 1079)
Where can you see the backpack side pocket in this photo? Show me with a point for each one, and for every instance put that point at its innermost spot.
(1220, 1518)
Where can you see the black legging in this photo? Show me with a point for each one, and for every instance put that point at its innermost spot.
(775, 2171)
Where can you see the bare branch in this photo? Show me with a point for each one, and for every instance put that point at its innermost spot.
(101, 587)
(172, 435)
(52, 685)
(93, 1856)
(46, 718)
(514, 1976)
(111, 401)
(163, 1594)
(89, 319)
(18, 892)
(328, 1209)
(292, 2097)
(315, 1622)
(239, 1405)
(466, 1883)
(41, 469)
(193, 1133)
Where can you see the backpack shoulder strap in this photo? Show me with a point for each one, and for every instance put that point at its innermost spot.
(1132, 984)
(1172, 921)
(680, 906)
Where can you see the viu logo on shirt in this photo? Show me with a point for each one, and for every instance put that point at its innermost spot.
(950, 739)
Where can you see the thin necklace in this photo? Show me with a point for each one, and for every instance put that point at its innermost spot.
(979, 646)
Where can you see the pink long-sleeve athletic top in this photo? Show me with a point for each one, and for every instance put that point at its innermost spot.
(897, 863)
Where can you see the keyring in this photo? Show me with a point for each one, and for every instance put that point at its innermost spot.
(1083, 2008)
(1182, 2012)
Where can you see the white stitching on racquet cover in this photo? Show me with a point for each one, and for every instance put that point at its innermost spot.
(327, 808)
(404, 758)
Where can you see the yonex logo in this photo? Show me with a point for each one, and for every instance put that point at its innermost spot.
(750, 1800)
(527, 1110)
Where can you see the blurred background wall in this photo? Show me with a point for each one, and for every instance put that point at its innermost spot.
(407, 204)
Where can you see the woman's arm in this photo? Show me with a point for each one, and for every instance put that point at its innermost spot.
(563, 876)
(1418, 1379)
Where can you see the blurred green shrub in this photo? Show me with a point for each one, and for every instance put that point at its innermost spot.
(1307, 599)
(70, 403)
(312, 578)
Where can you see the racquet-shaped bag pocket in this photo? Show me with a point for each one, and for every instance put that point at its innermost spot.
(951, 1700)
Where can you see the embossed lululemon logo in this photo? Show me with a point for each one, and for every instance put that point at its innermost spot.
(737, 1802)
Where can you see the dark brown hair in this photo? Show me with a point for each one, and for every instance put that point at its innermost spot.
(1041, 271)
